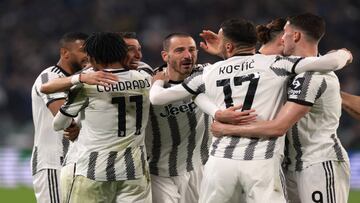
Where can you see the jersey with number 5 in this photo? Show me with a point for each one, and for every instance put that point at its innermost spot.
(257, 82)
(111, 142)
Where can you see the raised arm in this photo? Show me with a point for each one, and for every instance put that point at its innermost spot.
(328, 62)
(351, 104)
(289, 114)
(91, 78)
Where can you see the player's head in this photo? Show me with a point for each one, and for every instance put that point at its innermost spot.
(105, 48)
(180, 53)
(269, 35)
(72, 50)
(236, 34)
(134, 54)
(304, 28)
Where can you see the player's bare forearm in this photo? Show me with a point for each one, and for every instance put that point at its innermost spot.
(56, 85)
(351, 104)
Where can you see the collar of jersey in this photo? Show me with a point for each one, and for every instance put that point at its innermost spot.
(175, 82)
(244, 54)
(62, 70)
(118, 70)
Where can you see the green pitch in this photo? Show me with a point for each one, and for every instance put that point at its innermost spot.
(26, 195)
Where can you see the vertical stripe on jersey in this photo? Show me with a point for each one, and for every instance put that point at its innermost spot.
(110, 166)
(297, 147)
(34, 161)
(305, 86)
(65, 144)
(156, 143)
(143, 160)
(215, 145)
(337, 149)
(270, 148)
(250, 149)
(229, 150)
(191, 139)
(53, 186)
(287, 161)
(176, 140)
(321, 89)
(91, 166)
(45, 79)
(50, 185)
(129, 164)
(330, 182)
(204, 149)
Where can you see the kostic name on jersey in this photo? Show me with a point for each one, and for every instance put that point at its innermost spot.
(174, 110)
(124, 85)
(230, 68)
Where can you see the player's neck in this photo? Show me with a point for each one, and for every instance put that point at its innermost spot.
(241, 51)
(306, 50)
(67, 68)
(175, 76)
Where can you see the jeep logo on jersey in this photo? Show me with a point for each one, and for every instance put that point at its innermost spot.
(297, 83)
(171, 110)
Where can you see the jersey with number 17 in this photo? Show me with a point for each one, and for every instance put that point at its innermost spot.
(111, 143)
(256, 81)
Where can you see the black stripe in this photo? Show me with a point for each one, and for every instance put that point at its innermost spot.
(35, 160)
(143, 160)
(297, 147)
(333, 180)
(176, 140)
(229, 149)
(65, 144)
(270, 148)
(53, 185)
(91, 166)
(204, 149)
(192, 121)
(72, 95)
(321, 89)
(115, 70)
(301, 102)
(189, 89)
(337, 148)
(66, 114)
(60, 69)
(327, 183)
(129, 164)
(49, 185)
(45, 79)
(250, 149)
(56, 188)
(215, 145)
(156, 143)
(295, 64)
(287, 161)
(305, 85)
(110, 166)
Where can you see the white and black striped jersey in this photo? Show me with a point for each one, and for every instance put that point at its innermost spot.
(314, 139)
(256, 81)
(49, 146)
(111, 143)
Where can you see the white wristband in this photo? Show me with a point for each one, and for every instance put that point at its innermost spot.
(75, 79)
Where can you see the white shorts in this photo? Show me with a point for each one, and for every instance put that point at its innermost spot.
(178, 189)
(67, 176)
(85, 190)
(321, 182)
(46, 186)
(254, 181)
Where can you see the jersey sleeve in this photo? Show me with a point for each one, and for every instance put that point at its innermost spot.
(306, 88)
(75, 102)
(194, 84)
(48, 98)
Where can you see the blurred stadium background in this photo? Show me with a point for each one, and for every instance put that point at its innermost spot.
(29, 31)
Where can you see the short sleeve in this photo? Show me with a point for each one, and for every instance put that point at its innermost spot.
(75, 102)
(48, 98)
(194, 83)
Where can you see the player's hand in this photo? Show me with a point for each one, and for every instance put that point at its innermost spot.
(351, 56)
(233, 116)
(161, 75)
(212, 42)
(72, 132)
(99, 78)
(219, 129)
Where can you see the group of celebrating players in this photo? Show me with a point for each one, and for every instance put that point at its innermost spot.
(257, 126)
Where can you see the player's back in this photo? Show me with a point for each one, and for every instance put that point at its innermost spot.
(48, 148)
(314, 138)
(113, 127)
(256, 81)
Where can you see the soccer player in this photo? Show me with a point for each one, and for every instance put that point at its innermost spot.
(177, 134)
(233, 172)
(351, 104)
(270, 37)
(50, 147)
(316, 165)
(112, 165)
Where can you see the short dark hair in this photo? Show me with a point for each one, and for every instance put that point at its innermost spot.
(240, 31)
(268, 32)
(106, 48)
(314, 26)
(128, 35)
(72, 37)
(166, 42)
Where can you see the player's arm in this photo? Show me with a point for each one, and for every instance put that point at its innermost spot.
(161, 96)
(289, 114)
(91, 78)
(351, 104)
(328, 62)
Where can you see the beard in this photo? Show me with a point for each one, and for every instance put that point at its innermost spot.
(76, 66)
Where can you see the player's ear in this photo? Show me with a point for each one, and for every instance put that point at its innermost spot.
(297, 36)
(164, 55)
(64, 52)
(229, 47)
